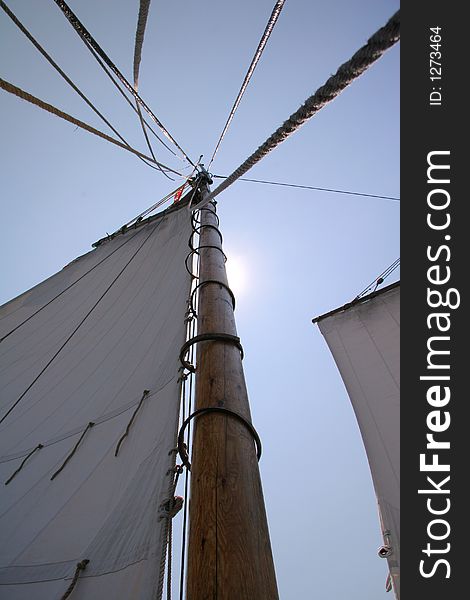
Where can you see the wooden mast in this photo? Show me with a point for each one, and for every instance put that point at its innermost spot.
(229, 551)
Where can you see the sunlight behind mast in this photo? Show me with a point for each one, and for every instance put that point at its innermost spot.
(237, 275)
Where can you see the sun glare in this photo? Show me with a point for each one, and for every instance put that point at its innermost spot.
(236, 275)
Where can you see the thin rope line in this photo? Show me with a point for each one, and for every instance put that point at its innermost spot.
(381, 278)
(170, 557)
(12, 89)
(311, 187)
(381, 41)
(259, 51)
(136, 562)
(78, 326)
(110, 75)
(159, 203)
(51, 61)
(85, 35)
(139, 38)
(191, 331)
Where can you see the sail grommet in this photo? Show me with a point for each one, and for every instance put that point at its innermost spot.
(207, 337)
(212, 409)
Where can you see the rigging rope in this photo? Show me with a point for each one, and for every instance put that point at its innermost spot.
(191, 331)
(87, 37)
(259, 51)
(12, 89)
(51, 61)
(311, 187)
(139, 41)
(381, 41)
(380, 279)
(109, 74)
(139, 38)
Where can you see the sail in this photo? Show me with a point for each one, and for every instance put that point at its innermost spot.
(364, 338)
(89, 407)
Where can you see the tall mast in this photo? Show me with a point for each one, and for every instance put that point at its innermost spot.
(229, 551)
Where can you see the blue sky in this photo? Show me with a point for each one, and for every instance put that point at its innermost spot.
(302, 252)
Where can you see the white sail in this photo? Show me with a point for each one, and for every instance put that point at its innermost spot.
(364, 338)
(82, 347)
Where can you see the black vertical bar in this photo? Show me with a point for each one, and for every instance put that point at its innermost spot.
(433, 273)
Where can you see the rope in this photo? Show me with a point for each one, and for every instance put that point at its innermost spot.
(259, 51)
(190, 332)
(81, 566)
(78, 326)
(89, 426)
(51, 61)
(120, 90)
(12, 89)
(380, 279)
(311, 187)
(86, 36)
(170, 547)
(143, 214)
(126, 433)
(38, 447)
(383, 39)
(139, 41)
(168, 510)
(139, 38)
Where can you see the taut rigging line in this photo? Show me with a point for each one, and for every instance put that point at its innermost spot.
(312, 187)
(382, 40)
(52, 62)
(139, 42)
(12, 89)
(259, 51)
(91, 42)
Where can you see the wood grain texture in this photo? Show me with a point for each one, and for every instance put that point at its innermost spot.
(229, 551)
